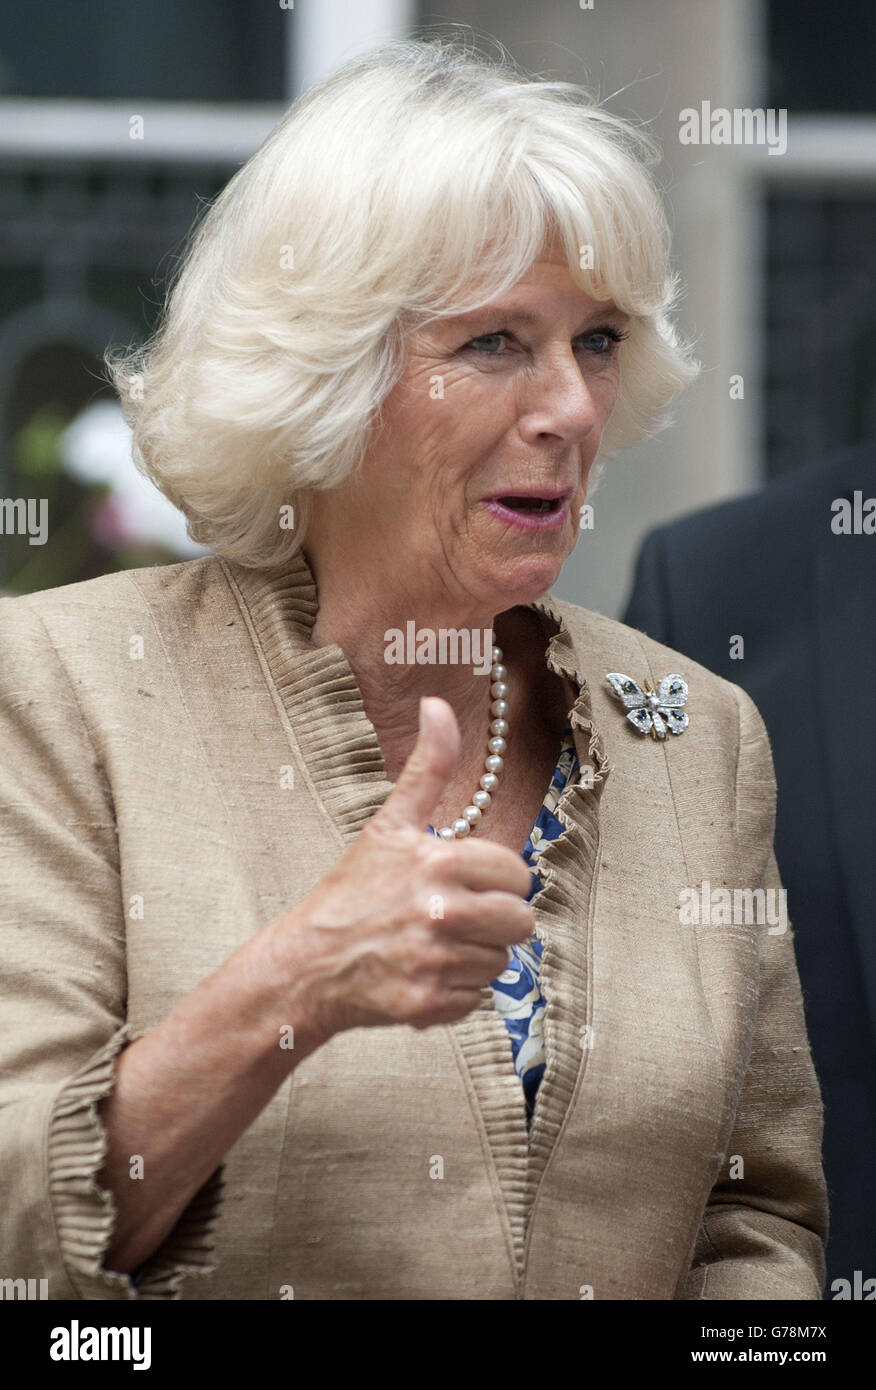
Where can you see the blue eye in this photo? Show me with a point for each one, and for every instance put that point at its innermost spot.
(611, 337)
(502, 336)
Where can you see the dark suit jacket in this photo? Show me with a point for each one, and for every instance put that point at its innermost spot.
(768, 568)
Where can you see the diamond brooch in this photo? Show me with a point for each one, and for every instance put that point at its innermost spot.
(652, 711)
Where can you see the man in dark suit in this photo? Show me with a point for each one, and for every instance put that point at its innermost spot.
(791, 571)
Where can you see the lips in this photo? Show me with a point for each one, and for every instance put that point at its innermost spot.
(531, 509)
(532, 502)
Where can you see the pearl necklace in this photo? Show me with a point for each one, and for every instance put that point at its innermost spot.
(494, 761)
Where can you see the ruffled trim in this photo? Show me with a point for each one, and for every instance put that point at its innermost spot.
(321, 706)
(85, 1213)
(563, 915)
(319, 698)
(484, 1049)
(189, 1249)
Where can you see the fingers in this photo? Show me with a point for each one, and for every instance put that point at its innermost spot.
(496, 920)
(482, 866)
(427, 770)
(454, 1004)
(476, 966)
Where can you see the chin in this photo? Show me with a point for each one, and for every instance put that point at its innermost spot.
(525, 580)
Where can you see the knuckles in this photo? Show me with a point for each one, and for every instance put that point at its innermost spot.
(401, 905)
(433, 959)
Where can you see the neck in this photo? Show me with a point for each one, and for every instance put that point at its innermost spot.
(391, 690)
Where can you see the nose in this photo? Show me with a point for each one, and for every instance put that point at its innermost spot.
(558, 404)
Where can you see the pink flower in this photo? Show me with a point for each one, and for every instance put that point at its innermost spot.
(109, 523)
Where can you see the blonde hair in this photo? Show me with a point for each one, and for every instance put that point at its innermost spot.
(419, 180)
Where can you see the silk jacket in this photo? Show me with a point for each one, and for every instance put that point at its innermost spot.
(179, 765)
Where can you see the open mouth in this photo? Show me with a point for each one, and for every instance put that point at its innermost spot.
(531, 504)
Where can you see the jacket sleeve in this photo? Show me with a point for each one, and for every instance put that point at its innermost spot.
(763, 1235)
(63, 996)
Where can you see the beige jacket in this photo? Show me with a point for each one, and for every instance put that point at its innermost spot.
(148, 724)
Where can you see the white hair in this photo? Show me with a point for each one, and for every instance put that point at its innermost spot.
(419, 180)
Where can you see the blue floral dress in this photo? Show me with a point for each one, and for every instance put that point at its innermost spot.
(517, 992)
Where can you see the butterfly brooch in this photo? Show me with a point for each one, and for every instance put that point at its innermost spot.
(653, 711)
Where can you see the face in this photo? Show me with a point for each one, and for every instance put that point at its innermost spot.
(473, 481)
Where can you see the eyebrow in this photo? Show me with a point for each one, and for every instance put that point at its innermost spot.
(528, 317)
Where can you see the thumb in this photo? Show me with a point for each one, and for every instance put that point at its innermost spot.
(427, 770)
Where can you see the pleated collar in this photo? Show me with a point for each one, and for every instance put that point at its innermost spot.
(323, 702)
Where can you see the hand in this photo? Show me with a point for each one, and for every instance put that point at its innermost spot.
(407, 927)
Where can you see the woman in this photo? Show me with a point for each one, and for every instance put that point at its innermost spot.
(265, 1028)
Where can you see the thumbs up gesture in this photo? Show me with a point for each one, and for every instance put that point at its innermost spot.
(406, 927)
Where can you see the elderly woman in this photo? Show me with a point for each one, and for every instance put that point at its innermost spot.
(286, 1008)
